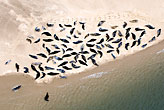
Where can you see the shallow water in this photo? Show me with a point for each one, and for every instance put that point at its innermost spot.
(137, 86)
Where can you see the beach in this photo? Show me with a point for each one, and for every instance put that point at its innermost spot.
(114, 84)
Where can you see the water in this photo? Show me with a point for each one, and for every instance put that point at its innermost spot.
(135, 86)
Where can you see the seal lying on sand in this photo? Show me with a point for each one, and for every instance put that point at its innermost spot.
(72, 47)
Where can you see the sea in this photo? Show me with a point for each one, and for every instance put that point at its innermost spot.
(136, 83)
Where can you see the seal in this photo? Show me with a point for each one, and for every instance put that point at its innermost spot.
(29, 40)
(26, 70)
(48, 40)
(54, 52)
(42, 55)
(95, 34)
(139, 29)
(127, 36)
(101, 54)
(52, 73)
(7, 62)
(117, 41)
(17, 67)
(150, 26)
(46, 98)
(83, 63)
(126, 46)
(50, 24)
(46, 33)
(103, 30)
(92, 56)
(114, 33)
(114, 57)
(109, 51)
(142, 33)
(78, 42)
(94, 62)
(144, 45)
(66, 68)
(61, 70)
(84, 58)
(33, 56)
(64, 40)
(67, 25)
(100, 23)
(44, 74)
(93, 50)
(16, 88)
(90, 45)
(75, 66)
(49, 68)
(40, 68)
(66, 55)
(72, 30)
(63, 63)
(133, 44)
(56, 37)
(119, 33)
(107, 36)
(158, 32)
(133, 36)
(38, 40)
(124, 25)
(101, 41)
(152, 39)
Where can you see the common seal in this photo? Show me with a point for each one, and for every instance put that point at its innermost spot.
(17, 67)
(46, 98)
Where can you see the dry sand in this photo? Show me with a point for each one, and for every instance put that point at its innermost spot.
(18, 19)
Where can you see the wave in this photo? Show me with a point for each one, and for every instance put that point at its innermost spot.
(95, 75)
(161, 51)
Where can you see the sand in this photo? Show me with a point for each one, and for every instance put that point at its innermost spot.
(19, 18)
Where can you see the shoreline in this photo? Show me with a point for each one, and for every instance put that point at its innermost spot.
(84, 73)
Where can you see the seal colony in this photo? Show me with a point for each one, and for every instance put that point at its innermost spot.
(75, 47)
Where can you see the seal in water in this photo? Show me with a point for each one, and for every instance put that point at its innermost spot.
(16, 88)
(46, 98)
